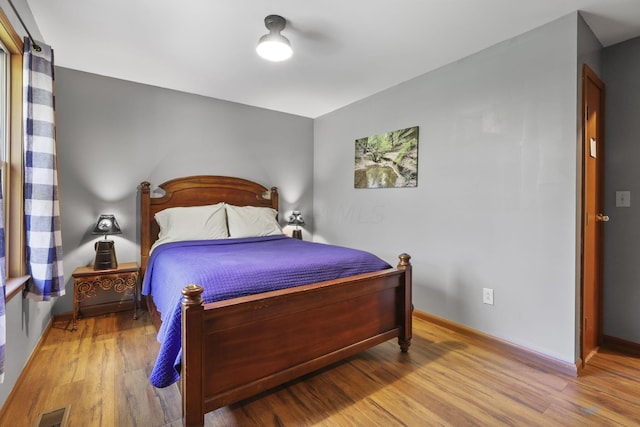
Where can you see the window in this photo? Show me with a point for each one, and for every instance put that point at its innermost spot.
(5, 79)
(11, 153)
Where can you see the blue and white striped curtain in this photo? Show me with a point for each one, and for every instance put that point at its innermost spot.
(41, 204)
(3, 321)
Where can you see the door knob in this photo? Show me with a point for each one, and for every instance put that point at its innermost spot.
(601, 217)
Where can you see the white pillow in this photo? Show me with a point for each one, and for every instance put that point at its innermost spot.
(252, 221)
(191, 223)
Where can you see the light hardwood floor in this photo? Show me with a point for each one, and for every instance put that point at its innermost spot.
(102, 371)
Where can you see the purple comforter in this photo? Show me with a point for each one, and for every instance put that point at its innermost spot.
(236, 267)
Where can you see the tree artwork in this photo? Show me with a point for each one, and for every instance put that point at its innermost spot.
(387, 160)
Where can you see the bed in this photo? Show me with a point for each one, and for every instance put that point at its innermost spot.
(232, 349)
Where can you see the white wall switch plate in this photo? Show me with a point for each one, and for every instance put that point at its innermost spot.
(623, 199)
(487, 296)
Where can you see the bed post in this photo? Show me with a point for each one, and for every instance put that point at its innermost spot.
(192, 357)
(274, 198)
(145, 230)
(404, 340)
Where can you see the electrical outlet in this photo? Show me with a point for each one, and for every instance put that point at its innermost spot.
(487, 296)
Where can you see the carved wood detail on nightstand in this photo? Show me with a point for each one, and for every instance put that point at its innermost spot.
(86, 281)
(122, 283)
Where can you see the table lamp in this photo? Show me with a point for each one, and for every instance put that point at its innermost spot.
(296, 219)
(105, 250)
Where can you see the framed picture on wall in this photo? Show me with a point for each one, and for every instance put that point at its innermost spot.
(387, 160)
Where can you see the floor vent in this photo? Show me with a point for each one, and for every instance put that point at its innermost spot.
(55, 418)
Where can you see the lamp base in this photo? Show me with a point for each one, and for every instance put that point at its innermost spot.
(297, 234)
(105, 255)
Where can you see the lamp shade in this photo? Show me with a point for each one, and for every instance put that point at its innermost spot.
(274, 46)
(296, 218)
(106, 225)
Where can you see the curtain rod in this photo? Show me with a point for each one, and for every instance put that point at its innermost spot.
(33, 42)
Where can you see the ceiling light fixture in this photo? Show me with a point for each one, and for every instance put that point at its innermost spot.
(274, 46)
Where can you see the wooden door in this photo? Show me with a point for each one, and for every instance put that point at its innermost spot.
(593, 217)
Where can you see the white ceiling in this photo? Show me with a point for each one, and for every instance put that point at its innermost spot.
(344, 50)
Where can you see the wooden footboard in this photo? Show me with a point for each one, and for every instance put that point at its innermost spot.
(237, 348)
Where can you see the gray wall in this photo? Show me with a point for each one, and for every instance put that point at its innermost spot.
(26, 320)
(495, 204)
(622, 232)
(113, 134)
(589, 52)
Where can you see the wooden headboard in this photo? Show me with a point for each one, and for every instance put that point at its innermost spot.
(197, 191)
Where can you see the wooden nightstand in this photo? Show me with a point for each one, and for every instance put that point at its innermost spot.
(86, 282)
